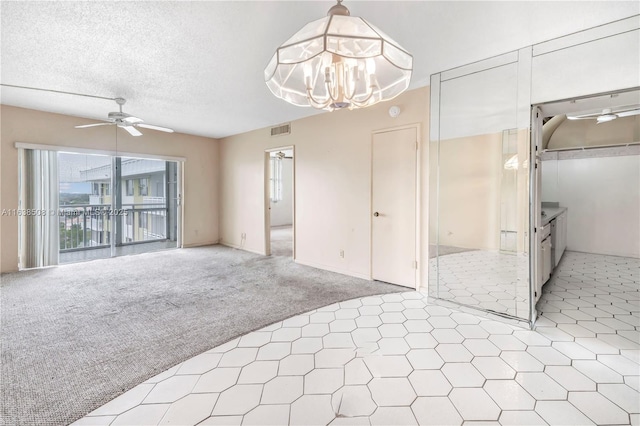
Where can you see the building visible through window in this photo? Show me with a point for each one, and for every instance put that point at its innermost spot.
(144, 186)
(100, 188)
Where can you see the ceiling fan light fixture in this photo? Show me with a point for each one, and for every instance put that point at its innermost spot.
(606, 117)
(133, 120)
(339, 61)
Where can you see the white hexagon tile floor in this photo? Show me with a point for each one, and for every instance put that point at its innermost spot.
(484, 279)
(397, 360)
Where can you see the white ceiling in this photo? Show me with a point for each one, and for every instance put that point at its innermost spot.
(198, 66)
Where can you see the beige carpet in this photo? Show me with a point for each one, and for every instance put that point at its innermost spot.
(282, 241)
(76, 336)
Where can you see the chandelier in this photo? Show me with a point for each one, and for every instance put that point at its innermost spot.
(339, 61)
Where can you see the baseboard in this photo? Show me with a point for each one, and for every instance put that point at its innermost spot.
(192, 245)
(627, 255)
(332, 269)
(237, 247)
(475, 310)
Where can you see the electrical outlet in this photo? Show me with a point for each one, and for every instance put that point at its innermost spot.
(342, 254)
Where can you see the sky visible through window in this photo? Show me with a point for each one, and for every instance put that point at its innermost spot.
(70, 166)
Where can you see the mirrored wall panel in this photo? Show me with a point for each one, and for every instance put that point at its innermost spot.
(480, 188)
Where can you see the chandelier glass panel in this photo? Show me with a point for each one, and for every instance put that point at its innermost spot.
(339, 61)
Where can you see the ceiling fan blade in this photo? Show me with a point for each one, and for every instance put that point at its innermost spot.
(152, 127)
(132, 130)
(628, 113)
(582, 117)
(93, 125)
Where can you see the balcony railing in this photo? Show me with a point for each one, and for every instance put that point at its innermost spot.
(146, 200)
(143, 223)
(88, 226)
(82, 227)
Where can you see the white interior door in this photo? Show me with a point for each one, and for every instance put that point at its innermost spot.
(393, 256)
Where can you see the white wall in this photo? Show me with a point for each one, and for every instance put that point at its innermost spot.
(480, 103)
(333, 183)
(598, 60)
(602, 196)
(282, 211)
(549, 175)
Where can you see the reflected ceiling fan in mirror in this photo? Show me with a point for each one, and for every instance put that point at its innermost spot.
(126, 121)
(608, 114)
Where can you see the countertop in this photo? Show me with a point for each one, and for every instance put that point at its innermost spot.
(551, 213)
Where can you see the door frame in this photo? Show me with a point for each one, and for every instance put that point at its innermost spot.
(117, 189)
(535, 190)
(418, 189)
(267, 198)
(535, 208)
(180, 204)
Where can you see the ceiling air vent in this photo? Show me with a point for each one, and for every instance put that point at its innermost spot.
(285, 129)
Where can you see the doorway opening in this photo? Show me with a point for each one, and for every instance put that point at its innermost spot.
(280, 202)
(587, 211)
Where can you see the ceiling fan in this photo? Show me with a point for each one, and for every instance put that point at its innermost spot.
(607, 114)
(126, 121)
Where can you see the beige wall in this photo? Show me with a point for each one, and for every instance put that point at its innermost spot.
(469, 193)
(332, 183)
(200, 170)
(470, 197)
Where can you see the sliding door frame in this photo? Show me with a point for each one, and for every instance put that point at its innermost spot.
(116, 189)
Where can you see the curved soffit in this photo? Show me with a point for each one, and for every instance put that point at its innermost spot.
(560, 133)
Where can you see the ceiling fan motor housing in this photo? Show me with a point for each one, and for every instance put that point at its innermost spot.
(118, 116)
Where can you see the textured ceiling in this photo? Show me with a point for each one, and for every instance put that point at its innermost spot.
(198, 66)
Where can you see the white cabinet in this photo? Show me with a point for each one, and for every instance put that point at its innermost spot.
(544, 266)
(560, 236)
(544, 261)
(551, 246)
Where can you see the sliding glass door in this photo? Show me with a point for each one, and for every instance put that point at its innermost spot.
(85, 197)
(147, 203)
(97, 206)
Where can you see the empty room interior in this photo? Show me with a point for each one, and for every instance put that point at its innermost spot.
(320, 213)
